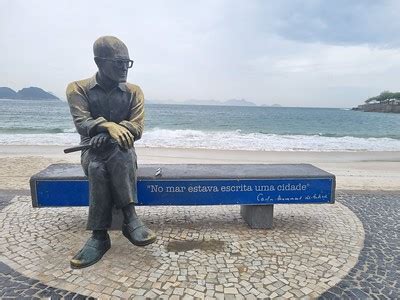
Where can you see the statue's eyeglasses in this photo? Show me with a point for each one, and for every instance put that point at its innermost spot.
(119, 62)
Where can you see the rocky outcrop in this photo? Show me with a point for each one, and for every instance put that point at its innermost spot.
(379, 107)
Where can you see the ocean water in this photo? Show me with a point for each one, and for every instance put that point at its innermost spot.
(25, 122)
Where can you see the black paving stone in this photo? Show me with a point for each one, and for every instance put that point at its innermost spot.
(78, 297)
(30, 292)
(40, 286)
(376, 274)
(328, 296)
(21, 278)
(45, 293)
(32, 281)
(4, 269)
(11, 293)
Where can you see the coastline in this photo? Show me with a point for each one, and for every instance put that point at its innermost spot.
(378, 170)
(379, 107)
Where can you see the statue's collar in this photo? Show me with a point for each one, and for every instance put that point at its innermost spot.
(93, 82)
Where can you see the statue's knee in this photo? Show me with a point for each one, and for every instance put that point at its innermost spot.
(97, 169)
(123, 155)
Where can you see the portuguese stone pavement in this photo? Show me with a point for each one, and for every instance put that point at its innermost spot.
(346, 250)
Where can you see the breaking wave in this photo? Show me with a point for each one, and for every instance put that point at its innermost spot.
(224, 140)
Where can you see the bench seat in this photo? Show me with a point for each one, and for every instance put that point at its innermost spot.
(255, 187)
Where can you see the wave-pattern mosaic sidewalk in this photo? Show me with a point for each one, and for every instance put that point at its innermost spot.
(14, 285)
(376, 274)
(201, 251)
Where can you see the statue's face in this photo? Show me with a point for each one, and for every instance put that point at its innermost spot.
(116, 66)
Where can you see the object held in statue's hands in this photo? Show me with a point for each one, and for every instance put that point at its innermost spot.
(84, 147)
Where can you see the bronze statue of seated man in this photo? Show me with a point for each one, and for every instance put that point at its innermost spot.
(108, 113)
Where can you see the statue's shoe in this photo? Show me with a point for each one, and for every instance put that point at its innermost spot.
(91, 253)
(138, 233)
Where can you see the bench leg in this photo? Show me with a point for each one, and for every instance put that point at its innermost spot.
(258, 216)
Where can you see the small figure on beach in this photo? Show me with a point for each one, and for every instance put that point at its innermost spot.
(108, 113)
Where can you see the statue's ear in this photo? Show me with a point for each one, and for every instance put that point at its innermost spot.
(98, 62)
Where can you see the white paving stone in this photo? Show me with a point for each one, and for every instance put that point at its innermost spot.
(204, 250)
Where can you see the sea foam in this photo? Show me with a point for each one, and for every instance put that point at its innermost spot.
(236, 140)
(224, 140)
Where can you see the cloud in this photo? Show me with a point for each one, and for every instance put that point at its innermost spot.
(329, 59)
(340, 22)
(315, 53)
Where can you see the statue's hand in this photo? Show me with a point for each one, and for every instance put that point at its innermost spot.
(99, 140)
(119, 133)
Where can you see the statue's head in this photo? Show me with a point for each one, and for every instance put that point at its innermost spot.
(112, 58)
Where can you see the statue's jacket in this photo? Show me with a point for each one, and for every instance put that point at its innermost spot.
(90, 106)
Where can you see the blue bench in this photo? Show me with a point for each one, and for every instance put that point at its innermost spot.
(256, 188)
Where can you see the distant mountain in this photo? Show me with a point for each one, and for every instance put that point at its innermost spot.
(30, 93)
(233, 102)
(203, 102)
(7, 93)
(240, 102)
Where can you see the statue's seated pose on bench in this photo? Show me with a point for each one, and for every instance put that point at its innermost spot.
(108, 114)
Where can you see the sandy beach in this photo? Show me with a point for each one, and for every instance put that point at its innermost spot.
(353, 170)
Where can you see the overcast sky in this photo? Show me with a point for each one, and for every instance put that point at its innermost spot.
(295, 53)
